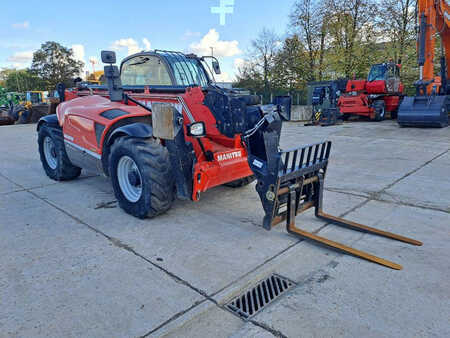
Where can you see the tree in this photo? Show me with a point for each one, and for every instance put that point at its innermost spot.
(55, 63)
(308, 21)
(398, 25)
(22, 80)
(353, 32)
(263, 54)
(397, 19)
(291, 71)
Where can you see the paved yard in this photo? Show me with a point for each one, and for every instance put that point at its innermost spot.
(74, 265)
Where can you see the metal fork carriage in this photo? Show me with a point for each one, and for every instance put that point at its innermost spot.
(292, 182)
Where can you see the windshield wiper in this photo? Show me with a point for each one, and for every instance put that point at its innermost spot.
(140, 62)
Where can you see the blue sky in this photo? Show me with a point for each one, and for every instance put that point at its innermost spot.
(127, 26)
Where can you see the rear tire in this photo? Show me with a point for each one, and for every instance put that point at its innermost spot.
(142, 176)
(242, 182)
(53, 155)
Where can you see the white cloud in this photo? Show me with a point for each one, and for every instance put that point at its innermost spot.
(131, 45)
(146, 43)
(21, 57)
(21, 25)
(238, 63)
(223, 77)
(221, 48)
(189, 35)
(78, 52)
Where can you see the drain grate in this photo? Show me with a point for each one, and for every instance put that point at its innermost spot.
(254, 300)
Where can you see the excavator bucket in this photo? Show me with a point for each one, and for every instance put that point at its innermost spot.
(292, 181)
(423, 111)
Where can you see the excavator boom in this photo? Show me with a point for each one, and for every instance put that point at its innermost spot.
(430, 106)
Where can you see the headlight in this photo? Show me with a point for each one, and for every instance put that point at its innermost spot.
(196, 129)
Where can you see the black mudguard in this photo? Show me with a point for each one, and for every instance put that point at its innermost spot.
(51, 120)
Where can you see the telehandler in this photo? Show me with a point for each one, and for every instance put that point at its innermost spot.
(382, 92)
(161, 129)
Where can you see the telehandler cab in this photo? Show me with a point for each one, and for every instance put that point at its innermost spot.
(162, 129)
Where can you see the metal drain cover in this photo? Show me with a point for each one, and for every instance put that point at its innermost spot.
(254, 300)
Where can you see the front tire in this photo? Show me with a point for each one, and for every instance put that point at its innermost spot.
(53, 155)
(142, 176)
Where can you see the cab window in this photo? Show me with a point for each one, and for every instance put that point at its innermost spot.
(188, 72)
(145, 70)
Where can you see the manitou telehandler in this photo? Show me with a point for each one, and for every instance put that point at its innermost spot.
(162, 129)
(380, 93)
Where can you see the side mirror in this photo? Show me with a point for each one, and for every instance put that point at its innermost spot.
(216, 66)
(108, 56)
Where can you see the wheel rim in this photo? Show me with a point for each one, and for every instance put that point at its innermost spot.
(50, 152)
(382, 112)
(130, 179)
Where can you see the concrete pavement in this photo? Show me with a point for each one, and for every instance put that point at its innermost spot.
(75, 265)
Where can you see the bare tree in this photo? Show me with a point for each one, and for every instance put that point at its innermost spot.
(397, 20)
(308, 21)
(351, 26)
(263, 54)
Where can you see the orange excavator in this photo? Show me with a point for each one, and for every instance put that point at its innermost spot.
(430, 106)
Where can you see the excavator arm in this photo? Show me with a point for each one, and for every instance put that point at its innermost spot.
(430, 106)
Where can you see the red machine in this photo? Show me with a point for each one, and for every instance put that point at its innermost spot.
(381, 93)
(161, 129)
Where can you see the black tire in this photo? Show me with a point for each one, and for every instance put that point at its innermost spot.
(58, 167)
(380, 112)
(153, 176)
(242, 182)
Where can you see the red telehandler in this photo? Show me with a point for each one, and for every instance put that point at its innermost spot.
(372, 98)
(431, 105)
(161, 129)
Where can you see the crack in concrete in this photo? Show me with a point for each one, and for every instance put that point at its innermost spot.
(119, 244)
(376, 197)
(116, 242)
(413, 171)
(175, 316)
(268, 328)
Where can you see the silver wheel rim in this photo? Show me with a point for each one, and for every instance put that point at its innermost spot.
(130, 179)
(50, 152)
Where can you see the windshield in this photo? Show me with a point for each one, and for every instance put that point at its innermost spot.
(145, 70)
(187, 71)
(377, 72)
(35, 97)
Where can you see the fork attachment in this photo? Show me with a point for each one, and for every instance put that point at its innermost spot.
(290, 182)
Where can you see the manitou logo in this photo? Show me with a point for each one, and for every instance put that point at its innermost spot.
(229, 156)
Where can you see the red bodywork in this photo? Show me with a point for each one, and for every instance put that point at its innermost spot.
(79, 115)
(360, 94)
